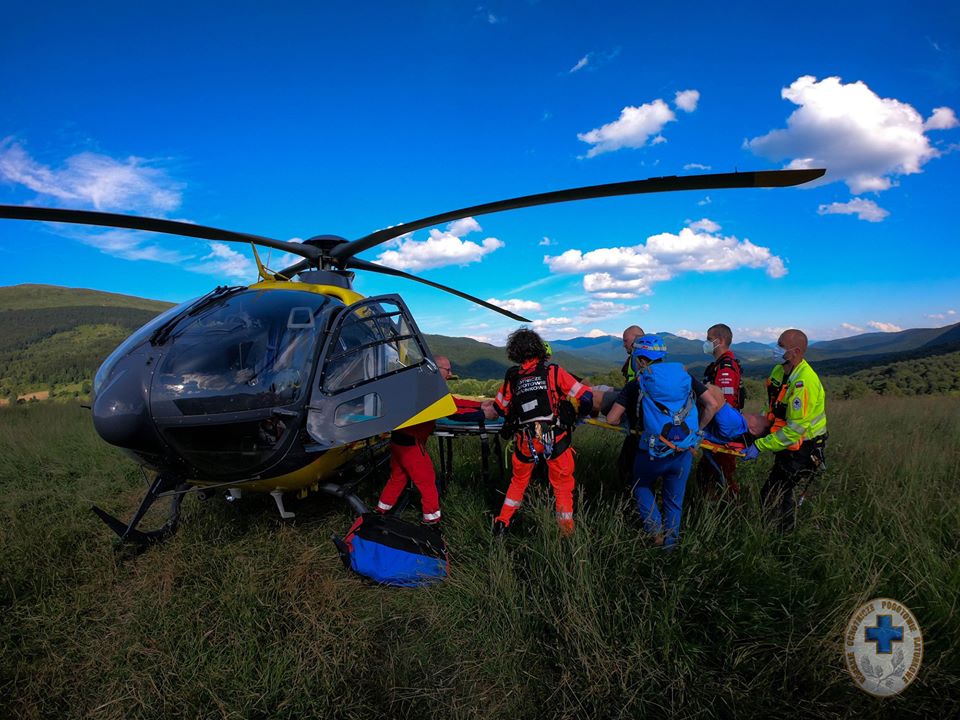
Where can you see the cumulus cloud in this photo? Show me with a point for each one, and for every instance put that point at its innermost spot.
(554, 326)
(688, 334)
(687, 100)
(93, 179)
(625, 272)
(706, 225)
(634, 127)
(516, 305)
(601, 309)
(884, 326)
(948, 315)
(596, 333)
(864, 209)
(861, 138)
(442, 248)
(943, 118)
(852, 328)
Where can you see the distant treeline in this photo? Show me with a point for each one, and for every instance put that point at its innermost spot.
(934, 375)
(46, 347)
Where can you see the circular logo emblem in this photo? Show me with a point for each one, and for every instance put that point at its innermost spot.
(883, 647)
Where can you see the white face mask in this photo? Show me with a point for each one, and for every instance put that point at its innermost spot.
(708, 347)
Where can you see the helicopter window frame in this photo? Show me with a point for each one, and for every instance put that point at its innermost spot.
(385, 334)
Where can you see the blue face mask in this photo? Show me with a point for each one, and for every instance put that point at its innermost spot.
(778, 353)
(708, 347)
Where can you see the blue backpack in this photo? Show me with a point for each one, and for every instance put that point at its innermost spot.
(728, 425)
(668, 408)
(391, 551)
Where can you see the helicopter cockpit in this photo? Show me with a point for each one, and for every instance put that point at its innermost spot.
(247, 352)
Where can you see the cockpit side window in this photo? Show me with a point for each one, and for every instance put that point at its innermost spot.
(373, 341)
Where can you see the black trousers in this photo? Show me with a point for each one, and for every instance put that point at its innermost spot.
(790, 468)
(628, 453)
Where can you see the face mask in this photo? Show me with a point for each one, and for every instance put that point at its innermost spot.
(778, 353)
(708, 347)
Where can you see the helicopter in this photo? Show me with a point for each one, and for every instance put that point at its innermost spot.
(292, 383)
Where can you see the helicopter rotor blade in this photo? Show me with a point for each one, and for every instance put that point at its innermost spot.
(716, 181)
(158, 225)
(358, 264)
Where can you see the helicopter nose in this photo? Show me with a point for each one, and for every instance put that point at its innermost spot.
(120, 410)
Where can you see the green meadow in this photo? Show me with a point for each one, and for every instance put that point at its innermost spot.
(243, 616)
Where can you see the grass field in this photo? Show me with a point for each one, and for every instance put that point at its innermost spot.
(241, 616)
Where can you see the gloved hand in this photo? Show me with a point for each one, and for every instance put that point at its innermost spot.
(751, 453)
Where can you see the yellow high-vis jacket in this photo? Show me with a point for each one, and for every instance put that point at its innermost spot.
(797, 409)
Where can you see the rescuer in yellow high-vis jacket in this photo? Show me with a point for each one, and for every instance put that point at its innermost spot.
(798, 430)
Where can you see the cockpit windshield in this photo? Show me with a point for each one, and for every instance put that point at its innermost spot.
(249, 351)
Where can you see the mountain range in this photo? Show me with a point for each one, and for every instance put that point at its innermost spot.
(53, 336)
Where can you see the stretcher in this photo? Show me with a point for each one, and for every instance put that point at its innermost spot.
(708, 443)
(447, 430)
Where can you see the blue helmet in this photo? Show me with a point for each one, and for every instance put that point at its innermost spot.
(650, 347)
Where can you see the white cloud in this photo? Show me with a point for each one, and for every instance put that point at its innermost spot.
(481, 338)
(224, 261)
(581, 63)
(625, 272)
(463, 226)
(884, 326)
(861, 138)
(100, 181)
(948, 315)
(440, 249)
(554, 327)
(705, 201)
(595, 333)
(631, 130)
(864, 209)
(688, 334)
(705, 224)
(696, 166)
(943, 118)
(687, 100)
(852, 328)
(516, 305)
(601, 309)
(761, 334)
(546, 241)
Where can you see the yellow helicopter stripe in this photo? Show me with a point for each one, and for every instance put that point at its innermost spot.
(441, 408)
(348, 297)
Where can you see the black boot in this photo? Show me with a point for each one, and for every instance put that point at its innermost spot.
(499, 528)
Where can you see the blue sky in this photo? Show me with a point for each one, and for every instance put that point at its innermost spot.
(300, 119)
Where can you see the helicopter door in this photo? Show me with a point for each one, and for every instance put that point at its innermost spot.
(376, 375)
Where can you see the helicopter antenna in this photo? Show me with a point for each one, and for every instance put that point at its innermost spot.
(716, 181)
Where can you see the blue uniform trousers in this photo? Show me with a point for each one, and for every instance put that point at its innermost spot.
(674, 470)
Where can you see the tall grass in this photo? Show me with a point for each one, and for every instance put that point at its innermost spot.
(242, 616)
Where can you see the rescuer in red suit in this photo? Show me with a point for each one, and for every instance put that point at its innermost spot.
(716, 470)
(409, 459)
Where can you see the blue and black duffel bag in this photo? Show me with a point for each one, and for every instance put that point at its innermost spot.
(392, 551)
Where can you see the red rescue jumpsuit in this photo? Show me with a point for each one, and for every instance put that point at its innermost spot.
(409, 460)
(560, 467)
(725, 374)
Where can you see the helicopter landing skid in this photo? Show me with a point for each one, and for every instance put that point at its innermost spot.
(127, 532)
